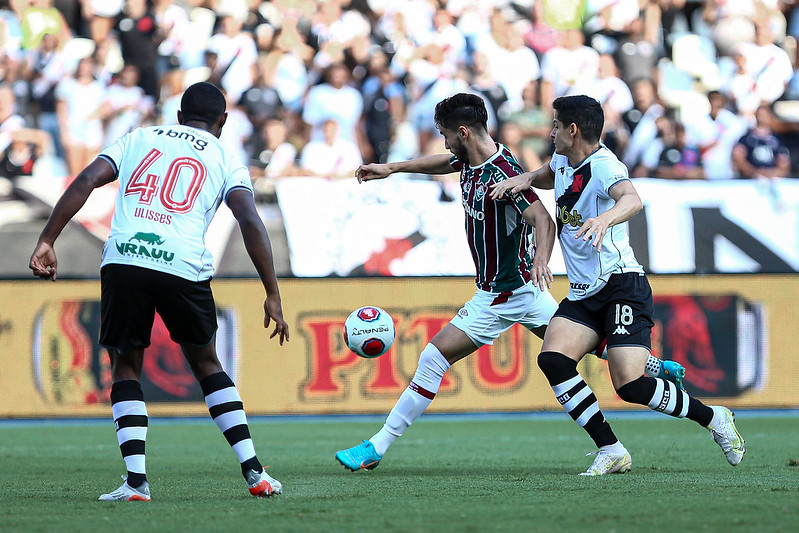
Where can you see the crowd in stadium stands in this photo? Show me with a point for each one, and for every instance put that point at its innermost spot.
(703, 89)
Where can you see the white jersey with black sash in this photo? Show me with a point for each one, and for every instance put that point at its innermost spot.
(583, 192)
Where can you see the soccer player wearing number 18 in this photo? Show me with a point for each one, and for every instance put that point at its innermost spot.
(609, 293)
(172, 180)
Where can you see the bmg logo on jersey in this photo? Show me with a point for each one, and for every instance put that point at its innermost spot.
(146, 249)
(199, 144)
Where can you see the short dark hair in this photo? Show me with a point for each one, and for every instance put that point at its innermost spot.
(584, 111)
(203, 102)
(462, 109)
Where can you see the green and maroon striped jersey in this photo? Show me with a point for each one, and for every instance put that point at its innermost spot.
(500, 240)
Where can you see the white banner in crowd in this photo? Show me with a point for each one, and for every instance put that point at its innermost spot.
(746, 225)
(393, 227)
(399, 227)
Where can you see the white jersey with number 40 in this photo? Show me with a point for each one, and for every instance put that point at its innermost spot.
(172, 180)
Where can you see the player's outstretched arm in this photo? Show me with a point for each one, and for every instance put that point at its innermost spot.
(537, 216)
(542, 178)
(259, 248)
(627, 205)
(430, 164)
(43, 261)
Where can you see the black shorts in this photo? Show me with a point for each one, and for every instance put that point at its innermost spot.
(621, 312)
(131, 295)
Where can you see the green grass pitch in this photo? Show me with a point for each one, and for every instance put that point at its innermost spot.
(445, 474)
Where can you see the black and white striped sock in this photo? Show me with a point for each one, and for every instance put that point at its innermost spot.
(130, 420)
(663, 396)
(576, 396)
(227, 410)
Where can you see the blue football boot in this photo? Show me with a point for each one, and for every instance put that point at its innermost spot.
(672, 371)
(362, 456)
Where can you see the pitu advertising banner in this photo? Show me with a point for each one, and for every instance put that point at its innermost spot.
(734, 334)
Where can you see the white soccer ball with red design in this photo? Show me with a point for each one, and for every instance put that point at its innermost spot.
(369, 331)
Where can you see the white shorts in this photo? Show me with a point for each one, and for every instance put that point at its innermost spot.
(488, 314)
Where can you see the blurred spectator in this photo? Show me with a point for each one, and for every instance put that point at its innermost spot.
(237, 131)
(670, 156)
(615, 135)
(174, 29)
(171, 92)
(10, 121)
(339, 33)
(78, 101)
(47, 67)
(515, 65)
(287, 63)
(727, 23)
(126, 105)
(261, 101)
(337, 100)
(764, 70)
(759, 153)
(235, 53)
(609, 89)
(27, 145)
(486, 83)
(14, 74)
(101, 16)
(640, 120)
(431, 80)
(540, 36)
(718, 132)
(569, 68)
(609, 21)
(39, 18)
(448, 37)
(533, 124)
(512, 136)
(139, 38)
(384, 107)
(506, 58)
(274, 156)
(636, 46)
(333, 156)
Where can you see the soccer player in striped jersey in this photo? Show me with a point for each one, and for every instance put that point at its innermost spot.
(172, 179)
(609, 293)
(512, 276)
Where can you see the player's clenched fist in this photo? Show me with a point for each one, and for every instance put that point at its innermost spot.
(372, 171)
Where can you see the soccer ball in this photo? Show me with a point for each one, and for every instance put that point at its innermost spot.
(369, 331)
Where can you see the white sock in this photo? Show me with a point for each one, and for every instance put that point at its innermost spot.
(414, 400)
(616, 448)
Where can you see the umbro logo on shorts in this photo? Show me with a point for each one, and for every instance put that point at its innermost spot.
(621, 330)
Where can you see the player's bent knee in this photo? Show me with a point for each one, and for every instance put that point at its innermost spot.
(549, 361)
(432, 367)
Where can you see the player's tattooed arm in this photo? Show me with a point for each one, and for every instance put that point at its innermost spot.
(542, 178)
(431, 164)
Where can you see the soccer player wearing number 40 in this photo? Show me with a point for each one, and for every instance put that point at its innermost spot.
(511, 282)
(172, 179)
(610, 296)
